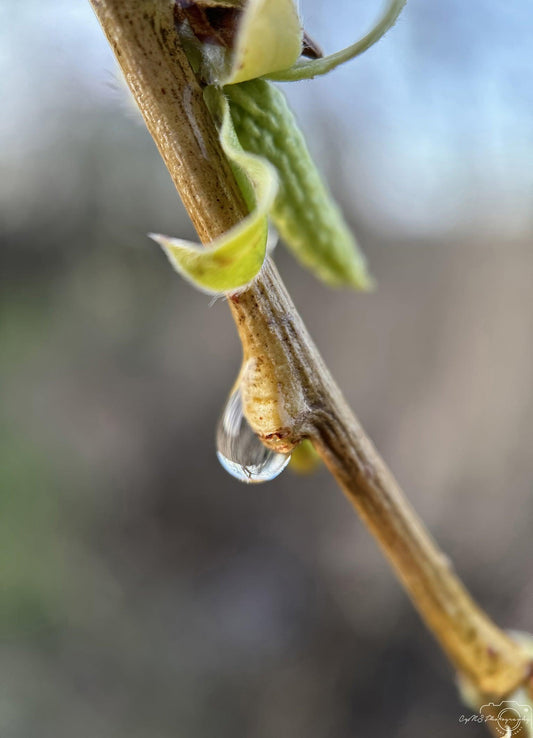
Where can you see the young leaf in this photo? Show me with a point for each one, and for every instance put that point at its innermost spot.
(304, 458)
(269, 39)
(233, 260)
(304, 213)
(316, 67)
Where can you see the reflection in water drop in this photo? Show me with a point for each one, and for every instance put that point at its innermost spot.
(240, 451)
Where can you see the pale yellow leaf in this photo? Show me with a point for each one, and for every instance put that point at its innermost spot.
(235, 258)
(269, 39)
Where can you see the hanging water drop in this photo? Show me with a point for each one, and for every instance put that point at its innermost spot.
(240, 451)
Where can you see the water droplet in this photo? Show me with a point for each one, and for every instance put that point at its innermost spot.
(240, 451)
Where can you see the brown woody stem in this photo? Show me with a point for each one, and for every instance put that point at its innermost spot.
(288, 392)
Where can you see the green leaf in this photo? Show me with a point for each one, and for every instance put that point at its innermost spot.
(316, 67)
(231, 261)
(304, 458)
(304, 212)
(269, 39)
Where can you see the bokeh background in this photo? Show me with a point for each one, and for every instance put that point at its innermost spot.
(143, 591)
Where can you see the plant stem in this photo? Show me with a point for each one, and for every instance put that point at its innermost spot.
(285, 366)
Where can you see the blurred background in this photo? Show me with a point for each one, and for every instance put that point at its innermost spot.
(143, 591)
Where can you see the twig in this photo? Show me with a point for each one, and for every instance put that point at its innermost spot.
(288, 391)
